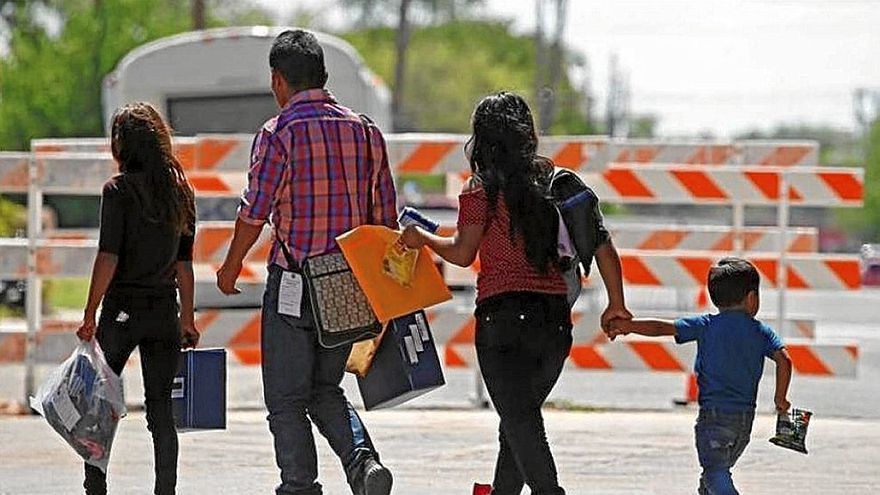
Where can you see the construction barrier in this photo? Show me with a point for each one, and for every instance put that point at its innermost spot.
(238, 331)
(14, 172)
(821, 360)
(690, 269)
(732, 173)
(734, 185)
(441, 153)
(786, 154)
(653, 237)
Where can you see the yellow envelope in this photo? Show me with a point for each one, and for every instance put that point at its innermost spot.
(364, 247)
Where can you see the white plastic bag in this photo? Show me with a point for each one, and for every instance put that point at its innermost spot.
(83, 401)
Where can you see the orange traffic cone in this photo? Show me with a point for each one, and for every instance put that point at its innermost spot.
(691, 391)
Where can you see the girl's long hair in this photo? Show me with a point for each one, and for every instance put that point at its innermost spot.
(503, 156)
(141, 145)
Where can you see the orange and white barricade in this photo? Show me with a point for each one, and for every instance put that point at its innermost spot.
(690, 269)
(650, 237)
(437, 154)
(14, 173)
(808, 358)
(745, 152)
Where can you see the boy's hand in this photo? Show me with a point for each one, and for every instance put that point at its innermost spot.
(782, 405)
(613, 312)
(616, 327)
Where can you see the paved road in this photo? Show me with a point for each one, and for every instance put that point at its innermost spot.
(442, 452)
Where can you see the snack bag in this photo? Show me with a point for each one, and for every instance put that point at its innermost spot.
(791, 430)
(399, 262)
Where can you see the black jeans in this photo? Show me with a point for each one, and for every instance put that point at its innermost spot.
(150, 323)
(301, 383)
(522, 342)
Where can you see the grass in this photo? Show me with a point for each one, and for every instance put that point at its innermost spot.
(70, 293)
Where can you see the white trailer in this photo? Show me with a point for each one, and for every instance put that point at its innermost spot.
(218, 80)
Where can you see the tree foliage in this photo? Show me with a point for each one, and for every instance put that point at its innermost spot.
(50, 83)
(866, 221)
(451, 66)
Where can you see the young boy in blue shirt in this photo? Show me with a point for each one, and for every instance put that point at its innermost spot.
(731, 348)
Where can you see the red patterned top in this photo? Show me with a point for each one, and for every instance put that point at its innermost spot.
(503, 264)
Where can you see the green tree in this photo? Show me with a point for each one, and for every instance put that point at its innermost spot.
(451, 66)
(866, 221)
(51, 82)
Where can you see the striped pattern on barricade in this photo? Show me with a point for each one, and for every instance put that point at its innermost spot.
(238, 330)
(684, 269)
(213, 238)
(427, 153)
(689, 269)
(14, 174)
(70, 258)
(821, 360)
(698, 185)
(786, 154)
(85, 173)
(651, 237)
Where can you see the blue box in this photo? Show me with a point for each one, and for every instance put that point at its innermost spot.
(198, 395)
(406, 364)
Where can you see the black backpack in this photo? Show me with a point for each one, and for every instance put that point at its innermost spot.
(578, 207)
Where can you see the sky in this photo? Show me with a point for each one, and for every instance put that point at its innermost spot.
(715, 66)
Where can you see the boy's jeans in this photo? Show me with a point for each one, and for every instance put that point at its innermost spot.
(721, 439)
(301, 383)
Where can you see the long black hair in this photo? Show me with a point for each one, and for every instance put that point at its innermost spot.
(503, 156)
(141, 145)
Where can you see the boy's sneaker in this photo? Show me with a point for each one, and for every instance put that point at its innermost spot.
(373, 479)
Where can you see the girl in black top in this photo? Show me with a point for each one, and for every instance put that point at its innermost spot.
(144, 261)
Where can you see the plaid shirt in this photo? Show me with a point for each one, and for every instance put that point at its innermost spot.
(309, 174)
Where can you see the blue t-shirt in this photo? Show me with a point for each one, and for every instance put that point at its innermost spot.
(731, 347)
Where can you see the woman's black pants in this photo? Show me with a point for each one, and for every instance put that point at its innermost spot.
(522, 342)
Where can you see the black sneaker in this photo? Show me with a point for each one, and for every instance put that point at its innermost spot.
(377, 479)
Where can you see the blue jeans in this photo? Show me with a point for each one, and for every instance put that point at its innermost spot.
(721, 439)
(301, 383)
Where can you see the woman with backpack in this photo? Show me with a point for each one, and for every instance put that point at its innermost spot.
(144, 260)
(523, 330)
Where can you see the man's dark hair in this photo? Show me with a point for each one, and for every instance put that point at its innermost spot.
(298, 57)
(730, 281)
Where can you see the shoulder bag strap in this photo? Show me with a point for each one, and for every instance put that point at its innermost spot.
(368, 135)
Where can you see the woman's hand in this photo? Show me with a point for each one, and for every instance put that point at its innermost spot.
(189, 336)
(88, 327)
(413, 237)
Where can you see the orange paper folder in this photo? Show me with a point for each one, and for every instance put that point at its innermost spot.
(364, 248)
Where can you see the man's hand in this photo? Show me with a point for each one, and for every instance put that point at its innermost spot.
(613, 312)
(413, 237)
(227, 275)
(189, 336)
(782, 405)
(88, 327)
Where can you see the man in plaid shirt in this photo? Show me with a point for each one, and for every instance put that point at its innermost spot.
(309, 175)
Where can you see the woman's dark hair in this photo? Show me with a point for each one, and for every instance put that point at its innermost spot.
(503, 156)
(141, 145)
(299, 58)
